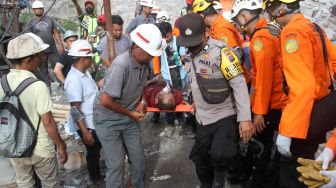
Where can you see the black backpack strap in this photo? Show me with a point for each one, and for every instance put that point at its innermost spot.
(5, 85)
(325, 53)
(19, 89)
(23, 85)
(38, 126)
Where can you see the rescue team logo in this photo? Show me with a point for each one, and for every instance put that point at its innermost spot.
(258, 46)
(230, 65)
(291, 46)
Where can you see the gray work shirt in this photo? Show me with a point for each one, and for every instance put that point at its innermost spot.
(124, 82)
(80, 87)
(120, 46)
(135, 22)
(44, 29)
(207, 62)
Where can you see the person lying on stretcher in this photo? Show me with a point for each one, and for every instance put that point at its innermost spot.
(160, 95)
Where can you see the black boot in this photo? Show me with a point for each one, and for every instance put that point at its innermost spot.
(155, 118)
(219, 179)
(206, 185)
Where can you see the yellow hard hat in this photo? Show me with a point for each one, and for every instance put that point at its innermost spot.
(200, 5)
(267, 3)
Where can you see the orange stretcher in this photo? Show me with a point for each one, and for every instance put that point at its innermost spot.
(179, 108)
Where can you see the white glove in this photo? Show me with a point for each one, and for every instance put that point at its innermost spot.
(332, 176)
(283, 143)
(326, 157)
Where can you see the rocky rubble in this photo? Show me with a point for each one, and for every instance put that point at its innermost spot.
(322, 12)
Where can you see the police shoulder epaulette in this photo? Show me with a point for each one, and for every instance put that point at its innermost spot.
(219, 43)
(230, 64)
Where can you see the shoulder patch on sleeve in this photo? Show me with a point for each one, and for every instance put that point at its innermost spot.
(230, 64)
(258, 46)
(291, 46)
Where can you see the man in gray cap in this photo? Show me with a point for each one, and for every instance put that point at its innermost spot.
(221, 101)
(26, 53)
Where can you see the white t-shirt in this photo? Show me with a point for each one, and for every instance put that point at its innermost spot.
(80, 87)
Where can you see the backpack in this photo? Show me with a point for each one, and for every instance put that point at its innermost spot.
(18, 136)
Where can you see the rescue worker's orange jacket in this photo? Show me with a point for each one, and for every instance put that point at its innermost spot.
(305, 72)
(266, 70)
(156, 65)
(332, 142)
(223, 30)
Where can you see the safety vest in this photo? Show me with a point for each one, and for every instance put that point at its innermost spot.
(88, 25)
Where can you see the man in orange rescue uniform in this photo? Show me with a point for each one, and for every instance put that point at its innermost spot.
(307, 81)
(266, 83)
(221, 29)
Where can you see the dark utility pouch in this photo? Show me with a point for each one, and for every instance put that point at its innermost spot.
(323, 116)
(214, 91)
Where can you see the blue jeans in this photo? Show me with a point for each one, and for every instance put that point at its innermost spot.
(112, 136)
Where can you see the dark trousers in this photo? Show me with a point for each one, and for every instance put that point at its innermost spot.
(92, 156)
(42, 73)
(171, 116)
(287, 166)
(214, 148)
(263, 175)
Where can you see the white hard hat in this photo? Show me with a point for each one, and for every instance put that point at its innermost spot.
(81, 48)
(148, 37)
(162, 16)
(217, 5)
(147, 3)
(37, 4)
(227, 15)
(240, 5)
(25, 45)
(68, 34)
(156, 9)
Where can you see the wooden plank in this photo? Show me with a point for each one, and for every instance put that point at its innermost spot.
(61, 107)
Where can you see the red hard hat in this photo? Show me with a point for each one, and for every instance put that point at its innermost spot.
(101, 18)
(89, 1)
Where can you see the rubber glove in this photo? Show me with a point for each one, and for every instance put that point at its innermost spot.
(326, 157)
(332, 176)
(283, 143)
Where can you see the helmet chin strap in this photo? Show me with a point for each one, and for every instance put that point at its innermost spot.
(275, 28)
(288, 11)
(243, 26)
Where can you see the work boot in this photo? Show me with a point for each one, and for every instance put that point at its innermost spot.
(155, 118)
(205, 185)
(219, 179)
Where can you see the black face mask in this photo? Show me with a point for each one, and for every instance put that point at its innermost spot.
(89, 10)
